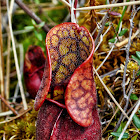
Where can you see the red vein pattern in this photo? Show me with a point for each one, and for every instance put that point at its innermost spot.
(69, 63)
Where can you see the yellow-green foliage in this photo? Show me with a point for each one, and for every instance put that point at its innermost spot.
(22, 128)
(132, 66)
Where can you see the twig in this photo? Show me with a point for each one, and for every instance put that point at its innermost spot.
(6, 103)
(124, 42)
(132, 114)
(115, 50)
(127, 53)
(130, 110)
(126, 105)
(32, 14)
(101, 38)
(109, 5)
(18, 116)
(102, 28)
(16, 60)
(111, 73)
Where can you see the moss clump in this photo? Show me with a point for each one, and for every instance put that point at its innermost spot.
(22, 128)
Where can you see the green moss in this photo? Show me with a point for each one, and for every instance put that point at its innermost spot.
(22, 128)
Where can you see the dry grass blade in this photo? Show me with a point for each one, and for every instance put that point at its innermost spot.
(16, 60)
(18, 116)
(112, 97)
(6, 113)
(1, 64)
(8, 67)
(109, 5)
(110, 94)
(65, 2)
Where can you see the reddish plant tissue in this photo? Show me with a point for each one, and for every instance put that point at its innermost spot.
(69, 64)
(33, 69)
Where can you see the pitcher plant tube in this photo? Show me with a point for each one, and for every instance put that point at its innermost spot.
(68, 71)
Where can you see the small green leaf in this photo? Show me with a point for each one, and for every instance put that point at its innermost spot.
(107, 24)
(136, 120)
(38, 35)
(41, 24)
(33, 22)
(29, 27)
(139, 111)
(134, 97)
(123, 32)
(138, 54)
(138, 73)
(117, 134)
(137, 59)
(112, 40)
(37, 1)
(134, 137)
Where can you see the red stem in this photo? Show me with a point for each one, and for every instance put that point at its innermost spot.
(55, 102)
(7, 104)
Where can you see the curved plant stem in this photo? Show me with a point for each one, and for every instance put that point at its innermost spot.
(55, 102)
